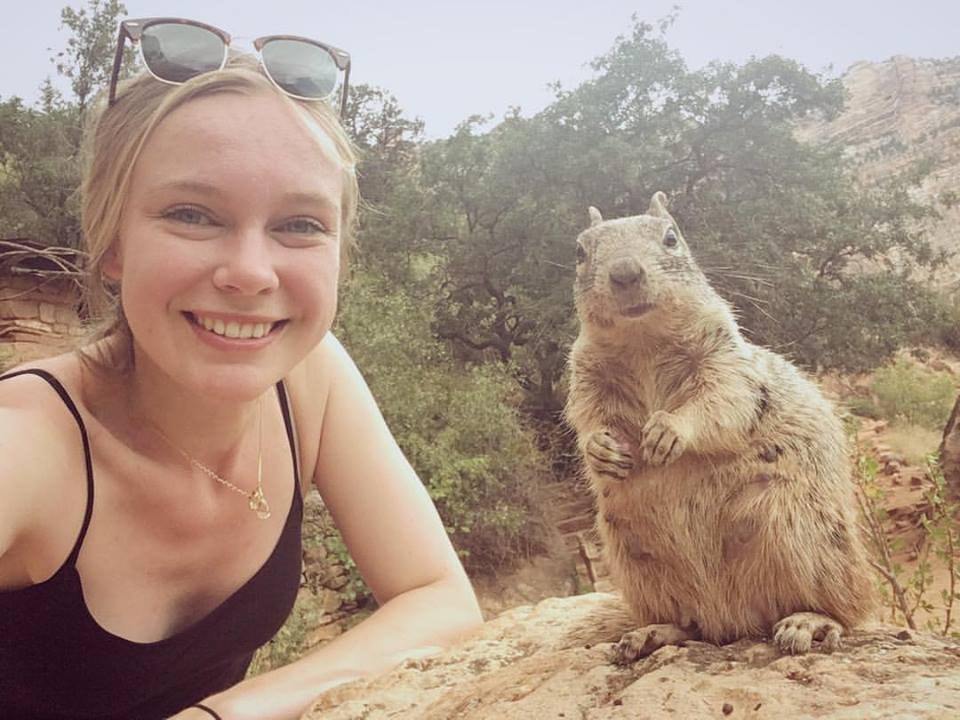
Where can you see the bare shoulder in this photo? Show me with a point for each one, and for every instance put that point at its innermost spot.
(26, 392)
(39, 445)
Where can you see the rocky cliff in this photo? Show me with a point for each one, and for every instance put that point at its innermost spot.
(527, 664)
(903, 116)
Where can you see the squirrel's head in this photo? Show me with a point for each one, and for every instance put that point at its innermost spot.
(631, 268)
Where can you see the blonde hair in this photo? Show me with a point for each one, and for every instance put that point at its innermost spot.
(116, 136)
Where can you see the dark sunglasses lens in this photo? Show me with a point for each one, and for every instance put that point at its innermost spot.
(300, 68)
(177, 52)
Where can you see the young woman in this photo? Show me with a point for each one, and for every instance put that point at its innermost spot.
(152, 483)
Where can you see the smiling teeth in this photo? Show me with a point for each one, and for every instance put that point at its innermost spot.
(235, 329)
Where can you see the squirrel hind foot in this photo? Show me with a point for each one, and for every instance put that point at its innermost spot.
(796, 633)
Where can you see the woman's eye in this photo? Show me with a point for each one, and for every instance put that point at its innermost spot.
(188, 216)
(303, 226)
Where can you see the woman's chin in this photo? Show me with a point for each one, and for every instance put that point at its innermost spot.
(232, 383)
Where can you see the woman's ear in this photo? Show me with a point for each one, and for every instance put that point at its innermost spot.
(112, 264)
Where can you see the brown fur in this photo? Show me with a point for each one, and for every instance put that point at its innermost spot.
(748, 516)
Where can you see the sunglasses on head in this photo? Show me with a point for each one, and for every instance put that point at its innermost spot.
(175, 50)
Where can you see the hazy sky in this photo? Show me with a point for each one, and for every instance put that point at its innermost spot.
(445, 60)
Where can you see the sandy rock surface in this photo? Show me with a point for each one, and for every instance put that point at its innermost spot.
(525, 664)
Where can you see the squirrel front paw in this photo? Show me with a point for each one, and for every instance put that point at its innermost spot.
(663, 439)
(607, 453)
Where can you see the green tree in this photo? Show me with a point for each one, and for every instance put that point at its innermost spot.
(39, 172)
(40, 146)
(87, 60)
(780, 227)
(505, 288)
(456, 425)
(388, 140)
(393, 216)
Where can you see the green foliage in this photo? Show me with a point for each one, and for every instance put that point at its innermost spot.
(320, 536)
(949, 333)
(941, 524)
(356, 589)
(88, 58)
(40, 146)
(39, 173)
(909, 393)
(864, 407)
(454, 424)
(780, 227)
(388, 145)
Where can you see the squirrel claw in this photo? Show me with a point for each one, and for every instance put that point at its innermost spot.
(608, 455)
(663, 442)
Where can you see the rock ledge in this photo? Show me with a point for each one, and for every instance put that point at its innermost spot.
(526, 664)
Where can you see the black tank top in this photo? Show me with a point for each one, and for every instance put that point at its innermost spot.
(57, 663)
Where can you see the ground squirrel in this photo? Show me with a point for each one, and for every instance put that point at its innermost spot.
(724, 497)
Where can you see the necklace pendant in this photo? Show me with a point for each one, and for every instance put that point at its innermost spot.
(258, 504)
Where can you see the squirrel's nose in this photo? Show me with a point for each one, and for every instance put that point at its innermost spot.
(625, 273)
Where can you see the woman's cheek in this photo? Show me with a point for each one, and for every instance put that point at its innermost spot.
(317, 284)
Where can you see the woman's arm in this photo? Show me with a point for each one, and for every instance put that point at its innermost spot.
(395, 536)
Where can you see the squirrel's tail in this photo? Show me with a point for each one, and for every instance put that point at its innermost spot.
(607, 622)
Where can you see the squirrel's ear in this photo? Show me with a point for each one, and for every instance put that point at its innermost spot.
(595, 217)
(658, 205)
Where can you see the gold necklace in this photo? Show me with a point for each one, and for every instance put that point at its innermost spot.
(256, 500)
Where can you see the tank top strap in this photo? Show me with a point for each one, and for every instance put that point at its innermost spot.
(68, 401)
(291, 433)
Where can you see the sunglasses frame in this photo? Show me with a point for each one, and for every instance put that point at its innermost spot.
(132, 30)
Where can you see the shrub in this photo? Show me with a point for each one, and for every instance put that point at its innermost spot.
(453, 423)
(949, 325)
(864, 407)
(909, 393)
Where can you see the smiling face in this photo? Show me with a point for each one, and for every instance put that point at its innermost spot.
(228, 249)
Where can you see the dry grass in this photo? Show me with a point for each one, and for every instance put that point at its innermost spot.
(912, 442)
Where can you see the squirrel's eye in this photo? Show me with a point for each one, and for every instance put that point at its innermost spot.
(670, 239)
(581, 254)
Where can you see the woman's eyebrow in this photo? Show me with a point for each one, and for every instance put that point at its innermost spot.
(318, 200)
(193, 186)
(314, 199)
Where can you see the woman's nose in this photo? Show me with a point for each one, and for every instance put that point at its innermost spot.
(246, 266)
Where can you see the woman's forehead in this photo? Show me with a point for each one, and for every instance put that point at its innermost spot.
(258, 133)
